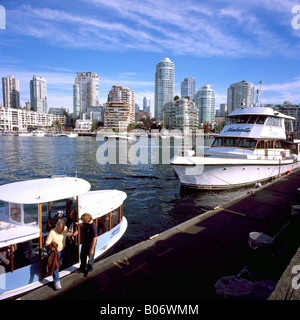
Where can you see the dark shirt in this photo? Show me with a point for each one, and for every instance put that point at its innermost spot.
(89, 232)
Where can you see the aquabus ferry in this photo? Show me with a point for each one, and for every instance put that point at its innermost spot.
(27, 206)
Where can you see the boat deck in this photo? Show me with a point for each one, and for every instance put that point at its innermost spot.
(186, 261)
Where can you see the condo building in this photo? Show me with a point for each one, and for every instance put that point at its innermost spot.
(146, 105)
(38, 94)
(181, 114)
(240, 94)
(164, 85)
(11, 92)
(19, 120)
(85, 92)
(188, 87)
(205, 102)
(120, 108)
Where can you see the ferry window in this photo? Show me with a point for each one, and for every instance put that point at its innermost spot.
(217, 142)
(25, 253)
(58, 206)
(247, 143)
(230, 142)
(103, 224)
(115, 218)
(31, 214)
(261, 119)
(15, 213)
(252, 119)
(6, 256)
(243, 119)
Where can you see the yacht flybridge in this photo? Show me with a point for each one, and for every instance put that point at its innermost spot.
(28, 205)
(255, 145)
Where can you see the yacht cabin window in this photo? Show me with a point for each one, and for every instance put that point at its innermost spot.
(247, 143)
(273, 121)
(251, 119)
(261, 119)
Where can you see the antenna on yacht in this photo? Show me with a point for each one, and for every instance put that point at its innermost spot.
(258, 95)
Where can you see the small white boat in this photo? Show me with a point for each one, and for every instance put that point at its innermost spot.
(27, 207)
(120, 136)
(39, 133)
(72, 135)
(25, 134)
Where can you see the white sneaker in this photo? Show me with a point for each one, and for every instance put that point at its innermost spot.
(57, 285)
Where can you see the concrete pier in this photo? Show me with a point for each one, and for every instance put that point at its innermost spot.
(186, 261)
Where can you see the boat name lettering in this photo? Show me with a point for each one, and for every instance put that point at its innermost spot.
(115, 231)
(238, 129)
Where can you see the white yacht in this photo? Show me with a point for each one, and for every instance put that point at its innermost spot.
(39, 133)
(120, 136)
(72, 135)
(256, 144)
(29, 205)
(25, 134)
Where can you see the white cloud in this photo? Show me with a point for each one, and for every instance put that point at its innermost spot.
(181, 27)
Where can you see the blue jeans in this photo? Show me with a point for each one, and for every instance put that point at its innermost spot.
(55, 272)
(84, 254)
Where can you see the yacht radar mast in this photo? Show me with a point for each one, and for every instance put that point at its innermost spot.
(258, 98)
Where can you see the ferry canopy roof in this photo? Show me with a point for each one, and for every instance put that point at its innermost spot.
(43, 190)
(259, 111)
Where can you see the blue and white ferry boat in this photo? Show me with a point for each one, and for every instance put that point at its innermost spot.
(28, 206)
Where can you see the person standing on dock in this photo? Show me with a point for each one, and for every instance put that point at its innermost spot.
(89, 240)
(55, 245)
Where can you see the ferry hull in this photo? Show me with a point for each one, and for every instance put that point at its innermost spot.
(225, 176)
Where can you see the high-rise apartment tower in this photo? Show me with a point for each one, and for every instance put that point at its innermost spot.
(164, 85)
(38, 94)
(85, 92)
(188, 87)
(11, 92)
(240, 94)
(205, 101)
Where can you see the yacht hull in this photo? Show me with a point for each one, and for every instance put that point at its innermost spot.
(221, 176)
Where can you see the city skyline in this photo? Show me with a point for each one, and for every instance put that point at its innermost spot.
(217, 43)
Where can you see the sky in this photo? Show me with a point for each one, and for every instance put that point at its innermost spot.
(217, 42)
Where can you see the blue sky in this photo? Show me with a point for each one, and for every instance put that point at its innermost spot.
(217, 42)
